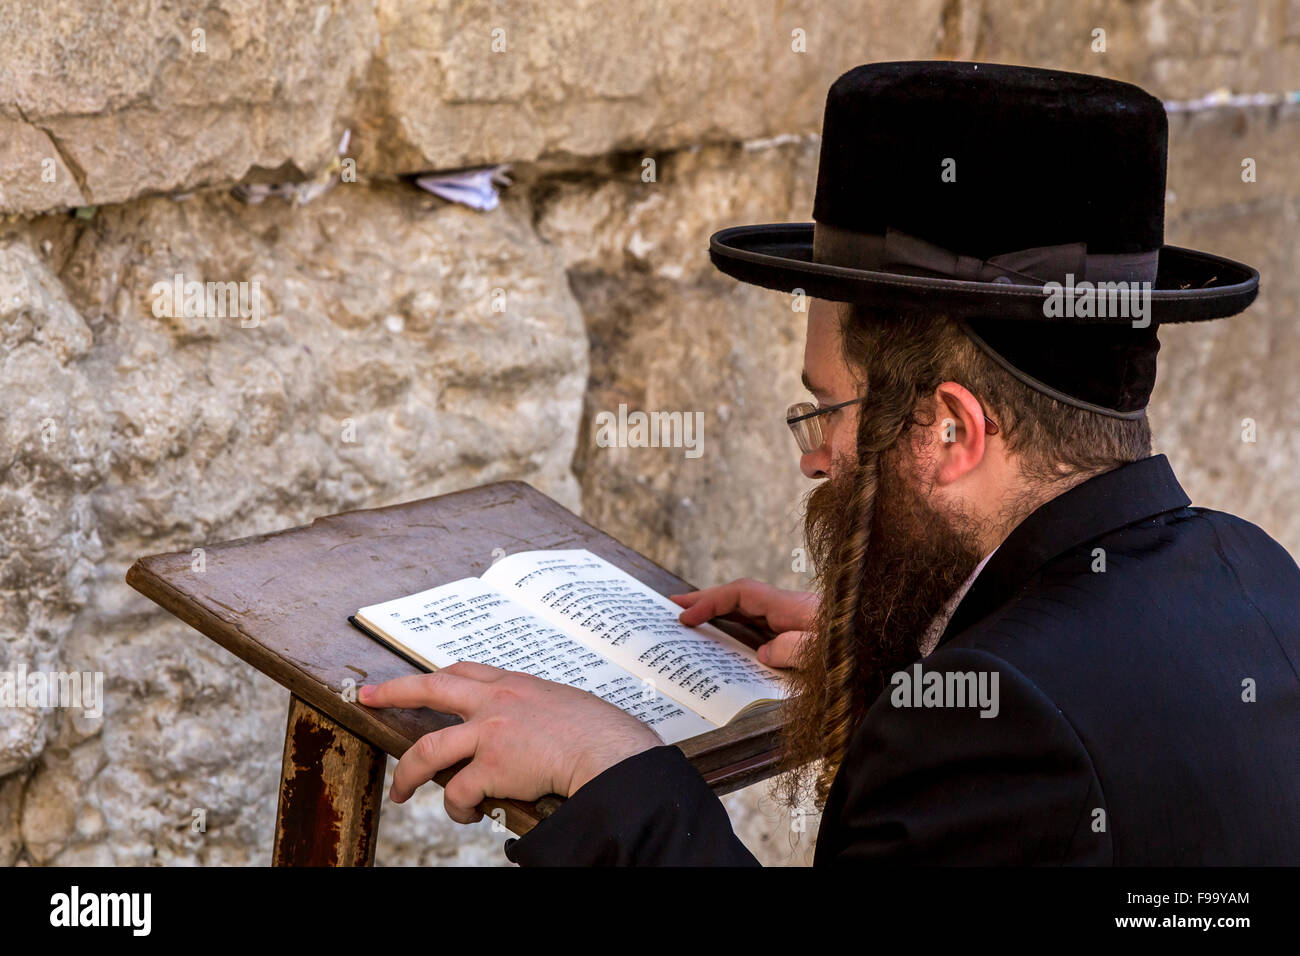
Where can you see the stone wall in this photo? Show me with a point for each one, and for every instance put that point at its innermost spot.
(381, 370)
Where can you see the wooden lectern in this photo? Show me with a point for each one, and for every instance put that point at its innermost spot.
(281, 603)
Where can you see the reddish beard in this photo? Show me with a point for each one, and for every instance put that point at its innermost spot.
(915, 558)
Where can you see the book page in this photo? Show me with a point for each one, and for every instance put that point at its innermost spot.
(468, 621)
(637, 627)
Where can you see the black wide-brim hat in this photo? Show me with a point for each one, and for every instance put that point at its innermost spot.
(1015, 199)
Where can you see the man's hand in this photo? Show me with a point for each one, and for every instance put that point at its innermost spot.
(788, 613)
(525, 737)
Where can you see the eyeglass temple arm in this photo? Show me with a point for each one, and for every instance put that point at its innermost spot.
(992, 428)
(820, 411)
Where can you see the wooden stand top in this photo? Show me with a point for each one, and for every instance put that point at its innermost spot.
(281, 602)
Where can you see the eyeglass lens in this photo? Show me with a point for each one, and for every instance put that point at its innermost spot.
(807, 431)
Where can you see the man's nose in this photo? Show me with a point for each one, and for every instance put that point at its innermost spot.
(816, 464)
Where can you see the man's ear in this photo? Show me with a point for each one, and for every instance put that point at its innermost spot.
(960, 431)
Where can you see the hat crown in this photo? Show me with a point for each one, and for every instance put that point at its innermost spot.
(985, 158)
(983, 192)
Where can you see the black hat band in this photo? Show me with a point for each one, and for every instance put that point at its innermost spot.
(899, 252)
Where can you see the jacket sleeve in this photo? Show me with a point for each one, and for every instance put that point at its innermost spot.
(939, 785)
(651, 809)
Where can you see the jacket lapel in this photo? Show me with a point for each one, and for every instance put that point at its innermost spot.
(1119, 497)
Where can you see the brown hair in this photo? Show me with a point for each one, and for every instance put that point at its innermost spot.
(900, 361)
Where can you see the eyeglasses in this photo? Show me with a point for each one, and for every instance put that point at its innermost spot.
(804, 419)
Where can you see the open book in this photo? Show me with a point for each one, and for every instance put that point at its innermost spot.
(572, 617)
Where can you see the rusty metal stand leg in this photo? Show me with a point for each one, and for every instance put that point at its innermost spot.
(331, 788)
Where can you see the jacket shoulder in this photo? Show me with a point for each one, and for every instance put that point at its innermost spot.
(963, 760)
(1171, 646)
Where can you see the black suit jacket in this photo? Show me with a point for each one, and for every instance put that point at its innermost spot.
(1147, 713)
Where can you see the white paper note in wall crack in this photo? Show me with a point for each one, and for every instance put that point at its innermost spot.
(475, 188)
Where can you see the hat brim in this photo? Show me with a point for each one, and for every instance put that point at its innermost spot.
(1190, 286)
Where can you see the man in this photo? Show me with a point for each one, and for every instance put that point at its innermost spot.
(1024, 646)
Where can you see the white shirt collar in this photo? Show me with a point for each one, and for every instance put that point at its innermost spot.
(931, 639)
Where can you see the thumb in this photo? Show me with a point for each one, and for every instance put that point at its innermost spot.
(782, 649)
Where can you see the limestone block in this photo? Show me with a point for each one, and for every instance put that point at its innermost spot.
(403, 347)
